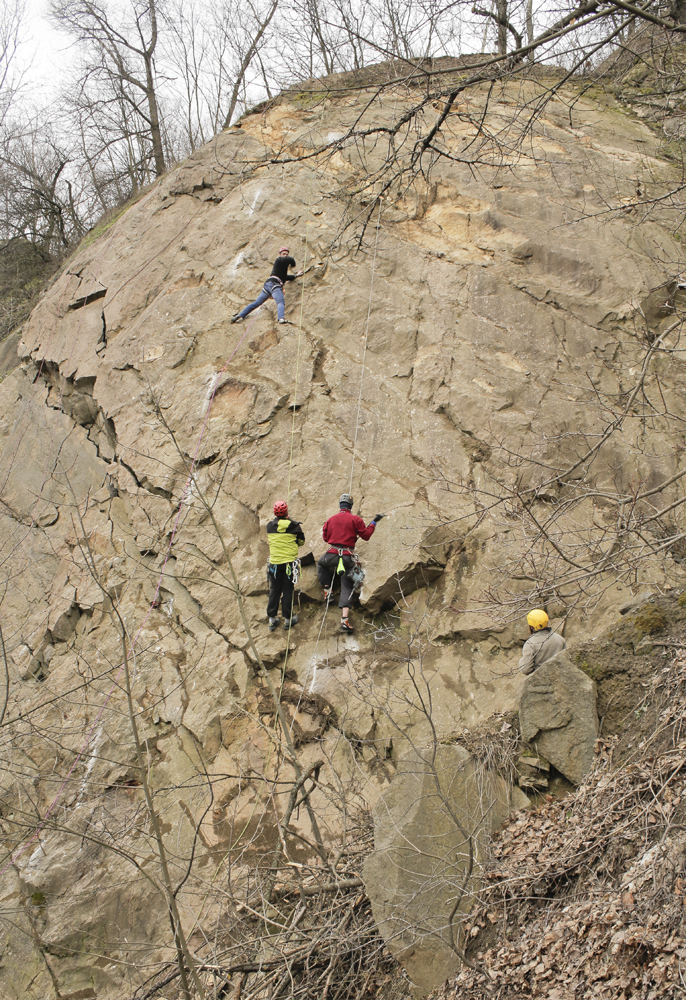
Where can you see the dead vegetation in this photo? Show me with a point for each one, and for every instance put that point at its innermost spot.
(586, 895)
(311, 934)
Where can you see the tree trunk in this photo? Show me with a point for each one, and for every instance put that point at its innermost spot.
(155, 130)
(501, 7)
(530, 25)
(246, 62)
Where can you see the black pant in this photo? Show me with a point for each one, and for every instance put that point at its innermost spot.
(280, 586)
(326, 571)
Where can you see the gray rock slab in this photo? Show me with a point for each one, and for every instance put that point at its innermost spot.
(558, 717)
(430, 832)
(9, 357)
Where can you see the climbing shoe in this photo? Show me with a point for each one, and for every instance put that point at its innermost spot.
(327, 593)
(284, 321)
(287, 624)
(273, 623)
(236, 319)
(346, 626)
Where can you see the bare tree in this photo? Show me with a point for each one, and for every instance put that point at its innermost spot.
(120, 61)
(41, 200)
(11, 20)
(248, 47)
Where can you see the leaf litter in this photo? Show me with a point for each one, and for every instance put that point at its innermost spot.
(585, 896)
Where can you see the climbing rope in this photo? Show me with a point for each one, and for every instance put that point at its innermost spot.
(316, 645)
(295, 390)
(357, 424)
(364, 352)
(300, 327)
(288, 494)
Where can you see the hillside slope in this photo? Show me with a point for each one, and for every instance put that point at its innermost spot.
(483, 333)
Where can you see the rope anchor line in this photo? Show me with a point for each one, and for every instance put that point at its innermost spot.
(313, 661)
(364, 352)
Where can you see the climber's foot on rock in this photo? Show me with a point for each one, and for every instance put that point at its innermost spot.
(273, 623)
(236, 319)
(346, 626)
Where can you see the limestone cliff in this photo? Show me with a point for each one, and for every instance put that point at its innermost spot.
(491, 309)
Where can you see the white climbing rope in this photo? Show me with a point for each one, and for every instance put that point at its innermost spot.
(295, 400)
(357, 424)
(300, 327)
(316, 645)
(364, 352)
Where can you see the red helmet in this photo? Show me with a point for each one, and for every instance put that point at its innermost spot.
(284, 250)
(280, 508)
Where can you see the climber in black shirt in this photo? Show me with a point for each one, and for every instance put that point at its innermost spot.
(273, 287)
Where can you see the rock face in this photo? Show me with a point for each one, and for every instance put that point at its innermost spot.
(557, 716)
(491, 300)
(430, 830)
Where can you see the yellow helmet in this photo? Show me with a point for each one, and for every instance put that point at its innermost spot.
(537, 618)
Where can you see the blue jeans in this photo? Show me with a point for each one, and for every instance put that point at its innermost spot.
(275, 293)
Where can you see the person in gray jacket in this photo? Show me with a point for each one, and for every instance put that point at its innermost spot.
(543, 643)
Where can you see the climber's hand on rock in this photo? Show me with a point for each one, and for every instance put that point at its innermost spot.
(377, 518)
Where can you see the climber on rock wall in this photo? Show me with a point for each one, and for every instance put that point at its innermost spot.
(341, 531)
(543, 643)
(273, 287)
(284, 537)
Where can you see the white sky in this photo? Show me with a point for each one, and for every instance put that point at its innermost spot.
(45, 51)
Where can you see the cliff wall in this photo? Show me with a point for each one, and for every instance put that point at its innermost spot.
(471, 340)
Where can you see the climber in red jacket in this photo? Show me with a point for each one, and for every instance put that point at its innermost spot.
(341, 531)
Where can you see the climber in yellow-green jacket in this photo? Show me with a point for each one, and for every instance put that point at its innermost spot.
(285, 537)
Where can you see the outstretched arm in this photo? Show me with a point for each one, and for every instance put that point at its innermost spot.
(364, 531)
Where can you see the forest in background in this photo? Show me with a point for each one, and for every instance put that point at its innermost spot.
(148, 81)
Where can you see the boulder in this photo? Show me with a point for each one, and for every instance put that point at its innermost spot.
(430, 831)
(557, 716)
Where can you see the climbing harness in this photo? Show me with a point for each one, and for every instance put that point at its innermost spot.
(292, 570)
(356, 573)
(274, 279)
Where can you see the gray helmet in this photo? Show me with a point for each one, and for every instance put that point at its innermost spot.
(345, 500)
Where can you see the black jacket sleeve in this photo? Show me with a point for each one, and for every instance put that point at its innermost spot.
(295, 528)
